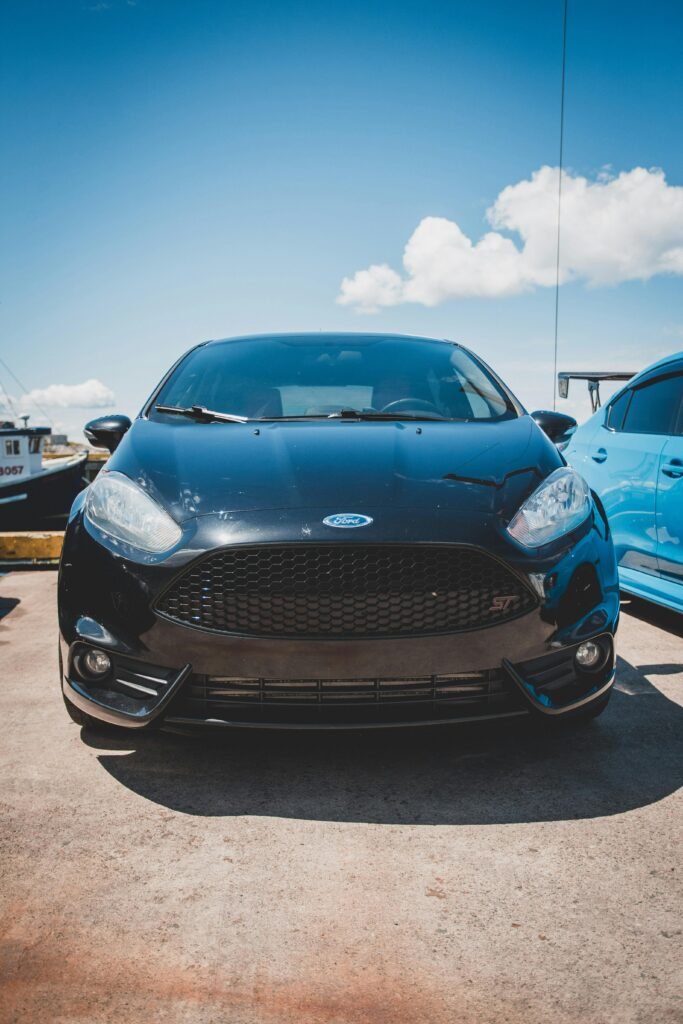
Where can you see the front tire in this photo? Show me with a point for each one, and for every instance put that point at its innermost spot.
(575, 719)
(85, 721)
(594, 709)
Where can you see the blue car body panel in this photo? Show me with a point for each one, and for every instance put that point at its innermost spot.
(638, 476)
(670, 512)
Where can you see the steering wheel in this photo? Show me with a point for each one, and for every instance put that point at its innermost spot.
(410, 405)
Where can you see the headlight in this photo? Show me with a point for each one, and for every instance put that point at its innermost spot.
(560, 504)
(122, 510)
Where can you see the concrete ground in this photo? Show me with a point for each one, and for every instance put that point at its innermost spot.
(474, 874)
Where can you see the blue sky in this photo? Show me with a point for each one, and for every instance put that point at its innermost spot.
(174, 171)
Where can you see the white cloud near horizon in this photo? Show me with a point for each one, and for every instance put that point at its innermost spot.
(615, 228)
(91, 394)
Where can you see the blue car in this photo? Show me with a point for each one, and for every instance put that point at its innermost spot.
(631, 454)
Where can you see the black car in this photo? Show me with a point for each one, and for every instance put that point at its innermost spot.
(334, 531)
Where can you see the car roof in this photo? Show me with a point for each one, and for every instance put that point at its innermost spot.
(642, 375)
(660, 364)
(341, 336)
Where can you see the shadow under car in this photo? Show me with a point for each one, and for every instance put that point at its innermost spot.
(488, 773)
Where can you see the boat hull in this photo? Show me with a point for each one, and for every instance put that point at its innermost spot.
(42, 501)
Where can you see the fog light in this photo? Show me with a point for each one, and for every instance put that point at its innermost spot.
(589, 654)
(95, 664)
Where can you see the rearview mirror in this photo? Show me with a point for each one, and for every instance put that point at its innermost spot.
(106, 431)
(557, 425)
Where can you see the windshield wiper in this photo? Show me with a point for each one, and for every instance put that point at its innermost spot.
(202, 414)
(358, 414)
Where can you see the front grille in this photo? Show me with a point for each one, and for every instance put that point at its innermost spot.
(469, 686)
(345, 701)
(351, 590)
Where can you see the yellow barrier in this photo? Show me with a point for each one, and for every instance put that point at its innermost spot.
(31, 546)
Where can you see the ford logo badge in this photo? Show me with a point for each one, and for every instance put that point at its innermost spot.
(347, 520)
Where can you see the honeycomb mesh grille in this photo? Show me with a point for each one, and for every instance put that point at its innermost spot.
(350, 590)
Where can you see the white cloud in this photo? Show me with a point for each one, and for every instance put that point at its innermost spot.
(616, 228)
(91, 394)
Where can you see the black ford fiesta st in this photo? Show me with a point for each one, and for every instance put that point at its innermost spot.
(334, 531)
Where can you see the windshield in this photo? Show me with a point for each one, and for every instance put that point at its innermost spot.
(273, 378)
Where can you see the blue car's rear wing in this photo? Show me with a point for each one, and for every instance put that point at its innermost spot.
(593, 379)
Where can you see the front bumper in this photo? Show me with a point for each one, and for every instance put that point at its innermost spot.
(134, 694)
(179, 675)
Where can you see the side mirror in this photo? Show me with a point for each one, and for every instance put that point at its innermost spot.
(557, 425)
(106, 431)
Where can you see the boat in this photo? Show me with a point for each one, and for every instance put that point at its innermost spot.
(36, 492)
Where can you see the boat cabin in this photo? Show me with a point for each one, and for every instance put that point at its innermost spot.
(21, 450)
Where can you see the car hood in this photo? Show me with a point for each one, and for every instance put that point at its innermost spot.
(196, 469)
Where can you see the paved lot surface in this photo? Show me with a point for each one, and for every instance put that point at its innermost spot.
(470, 875)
